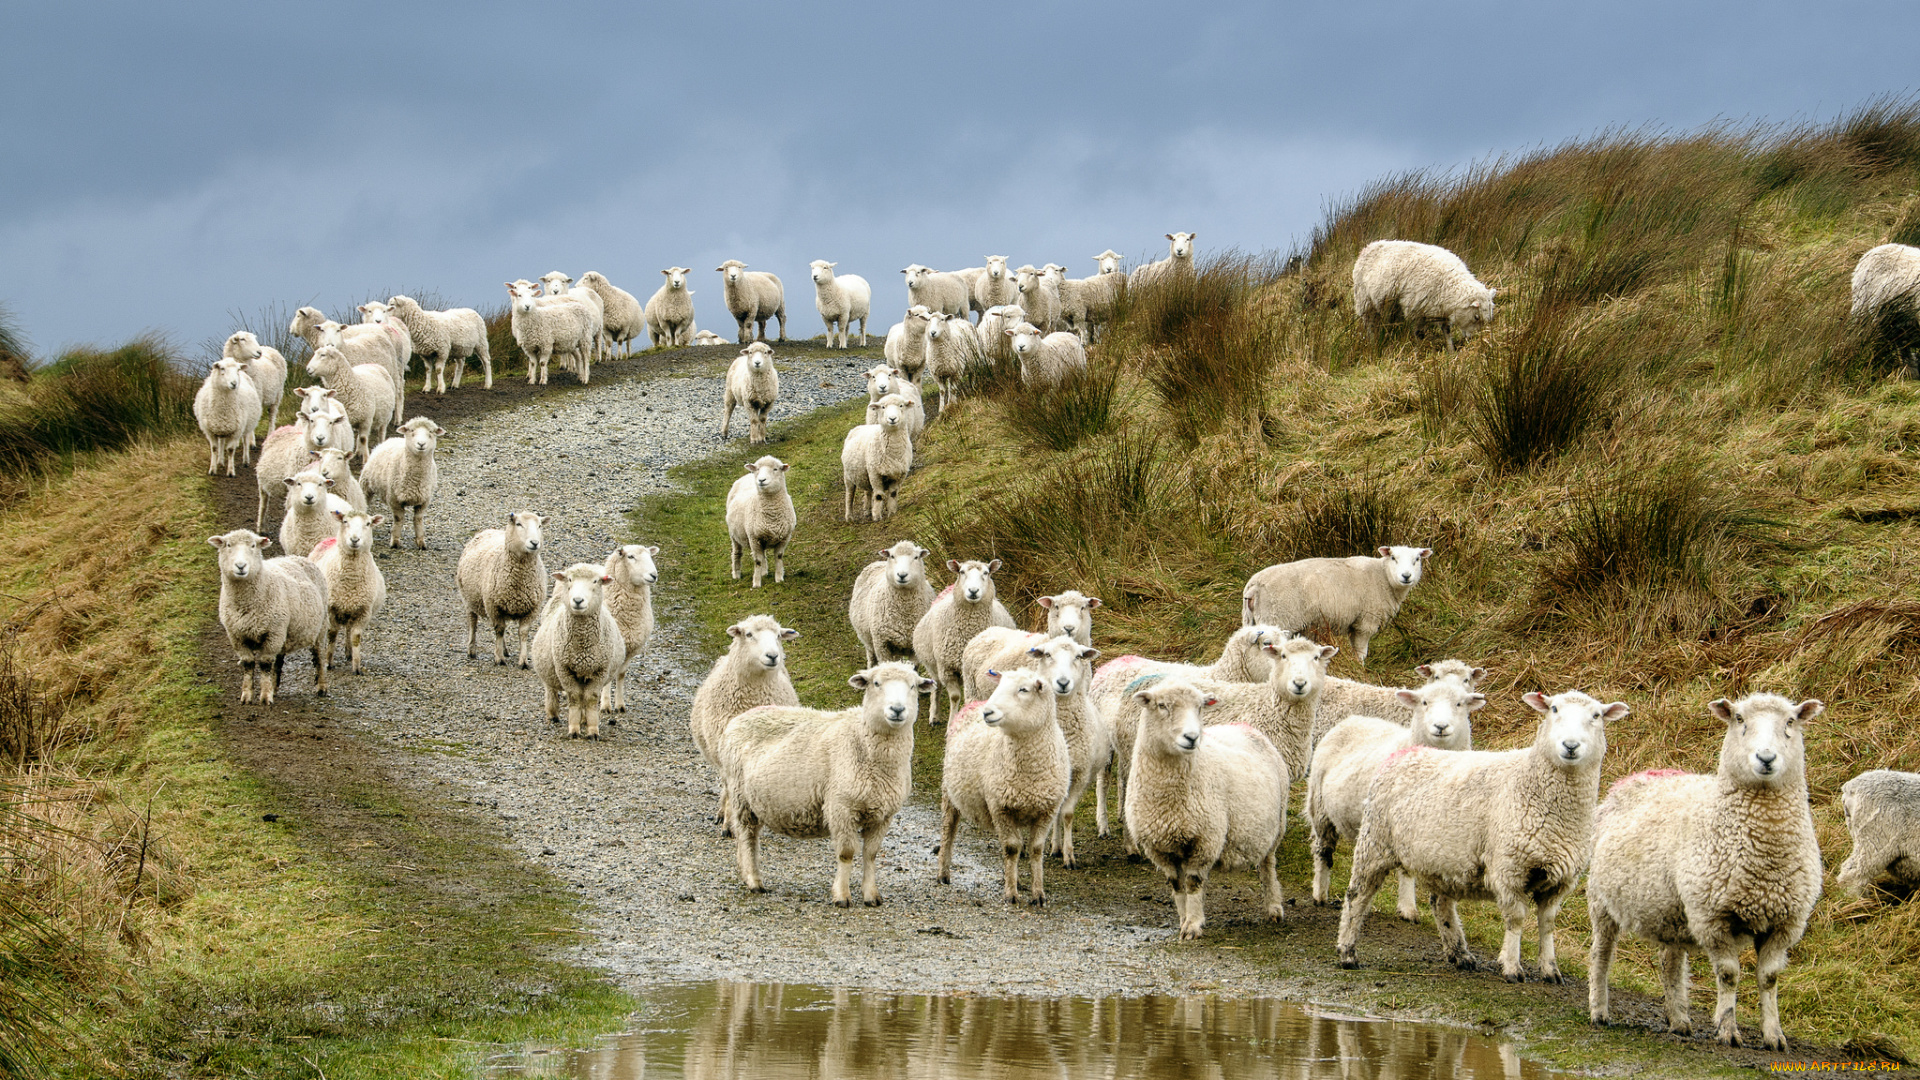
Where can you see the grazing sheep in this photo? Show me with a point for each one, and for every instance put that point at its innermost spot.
(287, 451)
(366, 391)
(952, 347)
(631, 573)
(1342, 698)
(1883, 814)
(444, 337)
(1356, 596)
(577, 650)
(752, 672)
(669, 310)
(760, 519)
(751, 381)
(1204, 797)
(310, 508)
(1039, 297)
(625, 321)
(1440, 715)
(994, 286)
(753, 297)
(808, 773)
(503, 579)
(332, 464)
(1070, 614)
(227, 408)
(265, 366)
(946, 294)
(906, 344)
(995, 344)
(367, 343)
(542, 332)
(1179, 260)
(268, 606)
(708, 337)
(1715, 864)
(1423, 282)
(1008, 773)
(1046, 361)
(940, 638)
(841, 302)
(1514, 827)
(402, 473)
(889, 597)
(356, 589)
(1887, 274)
(875, 458)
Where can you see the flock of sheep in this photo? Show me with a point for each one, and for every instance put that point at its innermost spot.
(1202, 756)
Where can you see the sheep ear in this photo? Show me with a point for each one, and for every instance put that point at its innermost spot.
(1089, 653)
(737, 630)
(1386, 552)
(1143, 697)
(606, 579)
(1036, 651)
(784, 466)
(1476, 702)
(925, 686)
(1424, 552)
(1093, 602)
(1407, 697)
(1807, 710)
(1328, 652)
(1209, 701)
(1615, 711)
(953, 566)
(377, 519)
(993, 567)
(654, 550)
(559, 575)
(1477, 675)
(1538, 700)
(748, 467)
(290, 481)
(789, 635)
(217, 541)
(543, 519)
(339, 515)
(886, 553)
(1170, 236)
(438, 430)
(858, 680)
(1721, 709)
(1046, 602)
(993, 673)
(1425, 671)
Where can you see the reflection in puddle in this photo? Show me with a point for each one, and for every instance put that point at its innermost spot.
(770, 1031)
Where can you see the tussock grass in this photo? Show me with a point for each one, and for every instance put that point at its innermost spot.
(87, 400)
(1061, 417)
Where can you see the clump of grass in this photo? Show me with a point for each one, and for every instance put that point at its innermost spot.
(1540, 393)
(16, 352)
(1062, 416)
(89, 400)
(1335, 520)
(32, 723)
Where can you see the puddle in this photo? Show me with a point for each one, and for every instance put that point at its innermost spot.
(770, 1031)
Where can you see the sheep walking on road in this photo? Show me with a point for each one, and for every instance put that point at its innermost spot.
(760, 519)
(1007, 772)
(268, 607)
(577, 650)
(503, 580)
(227, 407)
(753, 382)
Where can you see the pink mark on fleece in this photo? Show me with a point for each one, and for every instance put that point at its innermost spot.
(1114, 668)
(1403, 752)
(278, 430)
(321, 547)
(944, 593)
(1649, 774)
(967, 714)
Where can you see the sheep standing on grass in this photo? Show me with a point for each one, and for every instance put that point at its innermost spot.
(841, 302)
(911, 407)
(889, 597)
(625, 321)
(366, 391)
(1342, 698)
(753, 672)
(753, 296)
(1070, 614)
(946, 294)
(577, 650)
(952, 348)
(631, 573)
(1423, 282)
(1046, 361)
(1039, 297)
(444, 337)
(1179, 261)
(1007, 773)
(1086, 303)
(760, 519)
(503, 579)
(543, 332)
(669, 311)
(265, 366)
(1715, 864)
(1887, 274)
(356, 589)
(402, 473)
(995, 344)
(753, 382)
(310, 511)
(268, 606)
(843, 775)
(1883, 814)
(940, 638)
(1109, 262)
(875, 458)
(1203, 798)
(1242, 659)
(1514, 827)
(367, 343)
(906, 344)
(227, 407)
(287, 451)
(994, 286)
(1357, 597)
(332, 464)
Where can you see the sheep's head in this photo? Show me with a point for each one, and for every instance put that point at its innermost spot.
(1109, 261)
(973, 580)
(1443, 714)
(1026, 279)
(1055, 271)
(1171, 709)
(1021, 702)
(1026, 338)
(242, 346)
(906, 563)
(580, 588)
(760, 641)
(676, 277)
(1458, 670)
(1058, 660)
(759, 355)
(822, 271)
(374, 313)
(422, 435)
(1404, 565)
(304, 320)
(997, 267)
(1071, 614)
(1573, 727)
(769, 475)
(1180, 244)
(308, 488)
(402, 304)
(1475, 314)
(1765, 745)
(636, 562)
(523, 531)
(1299, 666)
(880, 381)
(240, 553)
(331, 462)
(331, 333)
(915, 275)
(356, 529)
(893, 410)
(732, 270)
(227, 373)
(328, 357)
(937, 325)
(520, 297)
(891, 694)
(556, 283)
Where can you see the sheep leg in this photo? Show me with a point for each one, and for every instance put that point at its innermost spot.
(1360, 638)
(271, 679)
(552, 706)
(1546, 913)
(949, 825)
(1673, 976)
(259, 514)
(1513, 912)
(1726, 986)
(743, 335)
(590, 704)
(844, 845)
(1600, 961)
(1770, 960)
(780, 564)
(1370, 869)
(419, 527)
(1179, 900)
(1453, 934)
(1036, 866)
(1324, 839)
(1064, 822)
(320, 665)
(869, 860)
(1194, 919)
(1100, 802)
(486, 368)
(781, 315)
(500, 641)
(1409, 895)
(1010, 865)
(526, 640)
(246, 681)
(758, 550)
(736, 560)
(1270, 878)
(746, 846)
(353, 644)
(473, 634)
(726, 414)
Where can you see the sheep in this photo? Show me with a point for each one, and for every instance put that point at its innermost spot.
(752, 381)
(375, 313)
(708, 337)
(669, 311)
(995, 345)
(631, 573)
(1424, 282)
(1716, 864)
(1008, 773)
(577, 648)
(558, 291)
(1204, 798)
(310, 508)
(227, 408)
(1882, 808)
(1039, 297)
(951, 348)
(962, 609)
(366, 391)
(889, 597)
(321, 402)
(993, 287)
(332, 464)
(1342, 698)
(1886, 274)
(1513, 826)
(946, 294)
(1356, 596)
(290, 449)
(841, 301)
(356, 589)
(1109, 261)
(402, 473)
(542, 332)
(265, 366)
(751, 673)
(1179, 260)
(503, 579)
(906, 344)
(914, 408)
(268, 605)
(1440, 715)
(444, 337)
(1046, 361)
(753, 297)
(760, 519)
(1282, 708)
(1079, 299)
(1070, 614)
(808, 773)
(367, 343)
(624, 318)
(875, 458)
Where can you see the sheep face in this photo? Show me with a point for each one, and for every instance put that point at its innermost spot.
(318, 428)
(330, 335)
(1055, 271)
(676, 277)
(906, 564)
(1109, 261)
(973, 580)
(243, 347)
(759, 359)
(1058, 661)
(1764, 747)
(374, 313)
(1072, 611)
(637, 560)
(422, 435)
(915, 275)
(937, 326)
(893, 410)
(556, 283)
(308, 488)
(240, 553)
(880, 381)
(1442, 714)
(1026, 339)
(1026, 280)
(732, 271)
(402, 305)
(523, 531)
(769, 475)
(227, 374)
(1171, 711)
(1299, 666)
(891, 698)
(1405, 565)
(1573, 727)
(356, 529)
(1180, 244)
(1458, 670)
(1477, 313)
(822, 271)
(330, 462)
(522, 297)
(762, 641)
(1018, 703)
(997, 267)
(582, 586)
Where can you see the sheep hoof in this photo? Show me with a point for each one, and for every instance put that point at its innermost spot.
(1553, 977)
(1038, 900)
(1601, 1020)
(944, 879)
(573, 734)
(1348, 959)
(875, 902)
(1013, 898)
(843, 903)
(1514, 976)
(1773, 1043)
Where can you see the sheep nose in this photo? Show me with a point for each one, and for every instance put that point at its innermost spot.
(901, 578)
(533, 545)
(896, 711)
(1063, 686)
(773, 659)
(1300, 686)
(1442, 729)
(1189, 740)
(991, 716)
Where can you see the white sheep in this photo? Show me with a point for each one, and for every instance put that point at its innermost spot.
(503, 579)
(708, 337)
(1716, 864)
(365, 391)
(268, 606)
(669, 311)
(1886, 274)
(993, 286)
(227, 408)
(1204, 797)
(751, 673)
(808, 773)
(995, 345)
(940, 638)
(310, 512)
(753, 296)
(947, 294)
(559, 288)
(1282, 708)
(1007, 773)
(1440, 715)
(875, 458)
(841, 301)
(906, 344)
(542, 332)
(1049, 360)
(445, 337)
(914, 409)
(952, 348)
(367, 343)
(1882, 808)
(631, 573)
(760, 519)
(1039, 297)
(620, 310)
(265, 366)
(1109, 261)
(320, 402)
(375, 313)
(1179, 260)
(1342, 698)
(1070, 614)
(1514, 827)
(290, 449)
(402, 473)
(577, 650)
(889, 597)
(1356, 596)
(1423, 282)
(1083, 303)
(751, 381)
(356, 589)
(332, 464)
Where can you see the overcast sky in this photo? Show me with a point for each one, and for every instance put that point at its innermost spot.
(166, 164)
